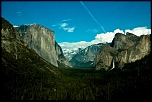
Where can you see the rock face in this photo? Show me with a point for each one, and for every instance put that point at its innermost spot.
(104, 57)
(123, 42)
(60, 56)
(124, 49)
(136, 52)
(85, 57)
(11, 40)
(17, 56)
(42, 41)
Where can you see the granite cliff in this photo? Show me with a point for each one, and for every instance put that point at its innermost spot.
(104, 57)
(61, 58)
(123, 49)
(42, 40)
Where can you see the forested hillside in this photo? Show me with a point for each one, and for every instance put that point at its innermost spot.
(24, 80)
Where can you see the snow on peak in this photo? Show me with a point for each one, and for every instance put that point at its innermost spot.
(23, 24)
(15, 26)
(29, 24)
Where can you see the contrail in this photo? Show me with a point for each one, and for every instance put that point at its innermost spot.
(92, 16)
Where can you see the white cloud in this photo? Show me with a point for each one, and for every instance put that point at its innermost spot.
(118, 31)
(65, 26)
(139, 31)
(102, 38)
(65, 20)
(62, 25)
(107, 37)
(69, 29)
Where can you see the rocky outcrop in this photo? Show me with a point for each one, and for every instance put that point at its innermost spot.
(136, 52)
(43, 42)
(11, 40)
(124, 49)
(123, 42)
(60, 56)
(104, 57)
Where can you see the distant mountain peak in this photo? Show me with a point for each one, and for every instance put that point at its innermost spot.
(85, 56)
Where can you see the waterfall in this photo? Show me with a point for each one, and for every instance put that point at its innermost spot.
(113, 64)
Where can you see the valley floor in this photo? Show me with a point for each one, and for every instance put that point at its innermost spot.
(131, 83)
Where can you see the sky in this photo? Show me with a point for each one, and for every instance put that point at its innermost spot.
(81, 23)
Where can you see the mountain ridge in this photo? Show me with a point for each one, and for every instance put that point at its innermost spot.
(85, 57)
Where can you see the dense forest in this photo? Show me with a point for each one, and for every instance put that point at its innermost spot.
(24, 80)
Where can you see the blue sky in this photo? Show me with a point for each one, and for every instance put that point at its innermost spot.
(79, 21)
